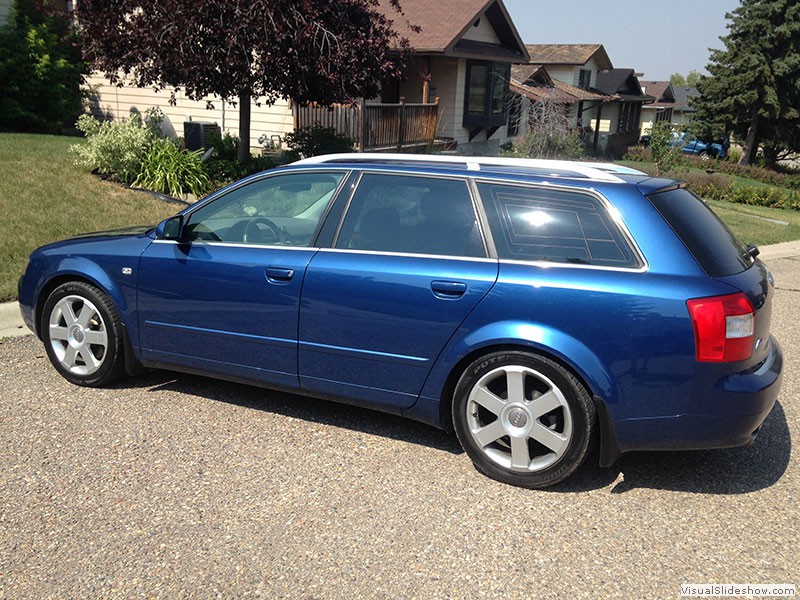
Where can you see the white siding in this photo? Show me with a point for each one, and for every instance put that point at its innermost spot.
(118, 103)
(484, 32)
(5, 10)
(568, 75)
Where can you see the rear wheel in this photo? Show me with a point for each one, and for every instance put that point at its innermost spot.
(82, 334)
(523, 419)
(704, 155)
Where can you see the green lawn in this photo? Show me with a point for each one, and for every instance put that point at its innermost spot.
(759, 225)
(44, 197)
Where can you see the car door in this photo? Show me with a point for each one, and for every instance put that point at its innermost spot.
(408, 265)
(225, 298)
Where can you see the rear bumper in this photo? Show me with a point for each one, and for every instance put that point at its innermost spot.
(737, 408)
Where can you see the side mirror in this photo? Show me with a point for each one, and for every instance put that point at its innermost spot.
(170, 229)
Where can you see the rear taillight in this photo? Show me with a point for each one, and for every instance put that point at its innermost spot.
(724, 327)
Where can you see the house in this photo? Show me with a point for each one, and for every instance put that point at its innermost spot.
(671, 104)
(662, 109)
(602, 101)
(623, 115)
(534, 83)
(462, 54)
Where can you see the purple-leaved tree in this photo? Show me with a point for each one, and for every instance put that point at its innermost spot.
(240, 50)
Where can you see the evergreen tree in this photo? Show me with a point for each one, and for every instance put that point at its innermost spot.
(754, 87)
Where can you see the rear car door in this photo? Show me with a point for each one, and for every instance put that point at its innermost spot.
(408, 265)
(225, 299)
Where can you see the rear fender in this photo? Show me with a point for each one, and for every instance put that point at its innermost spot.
(526, 336)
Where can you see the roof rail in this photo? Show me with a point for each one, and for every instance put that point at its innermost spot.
(557, 168)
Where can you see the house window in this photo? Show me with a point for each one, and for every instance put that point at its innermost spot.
(629, 116)
(486, 94)
(585, 79)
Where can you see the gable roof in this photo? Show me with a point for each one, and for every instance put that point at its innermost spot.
(533, 81)
(568, 54)
(443, 23)
(682, 96)
(660, 90)
(623, 84)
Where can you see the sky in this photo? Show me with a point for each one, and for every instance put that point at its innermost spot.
(654, 38)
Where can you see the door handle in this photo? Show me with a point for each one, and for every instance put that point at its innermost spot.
(448, 290)
(279, 275)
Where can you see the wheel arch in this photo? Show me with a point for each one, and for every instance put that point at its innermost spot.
(106, 285)
(575, 357)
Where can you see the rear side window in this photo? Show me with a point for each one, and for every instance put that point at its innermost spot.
(538, 224)
(715, 247)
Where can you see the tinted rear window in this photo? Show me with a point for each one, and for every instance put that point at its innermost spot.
(537, 224)
(715, 247)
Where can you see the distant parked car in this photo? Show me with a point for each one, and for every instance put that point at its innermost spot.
(534, 307)
(689, 144)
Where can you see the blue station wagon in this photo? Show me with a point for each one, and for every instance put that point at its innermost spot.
(532, 307)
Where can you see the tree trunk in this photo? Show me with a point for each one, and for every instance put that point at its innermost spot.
(751, 143)
(244, 126)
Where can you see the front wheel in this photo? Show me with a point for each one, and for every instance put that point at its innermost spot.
(82, 334)
(523, 419)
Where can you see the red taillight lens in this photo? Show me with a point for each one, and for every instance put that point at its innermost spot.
(724, 327)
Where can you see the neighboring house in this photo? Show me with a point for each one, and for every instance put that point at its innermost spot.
(535, 83)
(661, 110)
(602, 101)
(462, 55)
(623, 115)
(577, 66)
(672, 104)
(683, 110)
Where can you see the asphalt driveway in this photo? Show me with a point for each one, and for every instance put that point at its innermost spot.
(169, 485)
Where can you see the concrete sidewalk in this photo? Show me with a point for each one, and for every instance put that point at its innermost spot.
(11, 324)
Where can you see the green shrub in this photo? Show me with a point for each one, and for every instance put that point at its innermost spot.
(665, 156)
(171, 170)
(115, 150)
(224, 166)
(548, 143)
(314, 141)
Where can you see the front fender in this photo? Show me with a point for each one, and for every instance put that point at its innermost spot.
(109, 278)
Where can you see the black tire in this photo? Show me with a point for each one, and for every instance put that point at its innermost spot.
(533, 438)
(82, 335)
(704, 155)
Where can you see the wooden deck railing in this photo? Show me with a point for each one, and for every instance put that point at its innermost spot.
(375, 126)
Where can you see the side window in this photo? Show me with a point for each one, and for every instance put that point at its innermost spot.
(556, 226)
(280, 210)
(410, 214)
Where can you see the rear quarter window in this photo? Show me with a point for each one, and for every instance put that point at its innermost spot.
(715, 247)
(536, 224)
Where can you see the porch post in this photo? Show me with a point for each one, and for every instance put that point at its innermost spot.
(597, 128)
(401, 121)
(362, 125)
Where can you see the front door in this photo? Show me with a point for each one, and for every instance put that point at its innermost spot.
(225, 298)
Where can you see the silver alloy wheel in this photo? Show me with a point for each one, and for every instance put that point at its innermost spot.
(519, 418)
(78, 335)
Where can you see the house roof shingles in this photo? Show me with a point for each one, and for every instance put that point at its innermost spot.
(568, 54)
(442, 24)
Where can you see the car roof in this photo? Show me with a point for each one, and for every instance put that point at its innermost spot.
(578, 173)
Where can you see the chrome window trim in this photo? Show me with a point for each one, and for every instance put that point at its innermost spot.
(411, 254)
(235, 245)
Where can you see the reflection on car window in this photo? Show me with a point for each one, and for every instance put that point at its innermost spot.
(530, 223)
(281, 210)
(410, 214)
